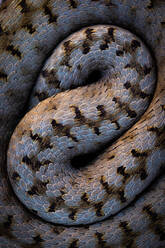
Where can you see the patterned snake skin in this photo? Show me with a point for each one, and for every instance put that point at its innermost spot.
(117, 199)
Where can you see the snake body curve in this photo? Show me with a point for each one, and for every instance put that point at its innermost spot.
(26, 40)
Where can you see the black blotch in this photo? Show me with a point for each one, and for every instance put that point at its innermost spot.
(137, 154)
(98, 207)
(1, 30)
(38, 239)
(3, 76)
(135, 44)
(146, 70)
(14, 51)
(121, 171)
(97, 131)
(58, 201)
(143, 174)
(78, 115)
(15, 176)
(73, 244)
(102, 112)
(119, 53)
(24, 6)
(111, 33)
(121, 195)
(111, 157)
(72, 215)
(150, 212)
(105, 185)
(73, 4)
(41, 96)
(151, 4)
(51, 77)
(86, 47)
(127, 85)
(104, 46)
(33, 191)
(29, 27)
(143, 95)
(26, 160)
(89, 32)
(85, 198)
(7, 224)
(52, 18)
(101, 241)
(131, 113)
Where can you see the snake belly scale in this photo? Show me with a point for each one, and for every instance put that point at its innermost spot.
(117, 200)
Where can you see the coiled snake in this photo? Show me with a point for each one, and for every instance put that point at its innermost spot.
(117, 198)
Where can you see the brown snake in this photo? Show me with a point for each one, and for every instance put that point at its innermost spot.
(29, 31)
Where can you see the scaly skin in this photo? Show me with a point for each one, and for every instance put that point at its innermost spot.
(29, 30)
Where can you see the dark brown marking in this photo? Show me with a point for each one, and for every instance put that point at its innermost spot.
(14, 51)
(78, 115)
(104, 46)
(146, 70)
(58, 229)
(150, 5)
(26, 160)
(51, 78)
(73, 4)
(127, 85)
(29, 27)
(15, 176)
(111, 34)
(1, 30)
(73, 213)
(98, 208)
(137, 154)
(135, 44)
(129, 236)
(107, 39)
(41, 95)
(89, 32)
(8, 223)
(100, 238)
(105, 185)
(63, 130)
(102, 112)
(157, 221)
(125, 106)
(3, 76)
(85, 47)
(85, 198)
(73, 244)
(119, 53)
(56, 204)
(97, 131)
(68, 47)
(44, 142)
(111, 157)
(121, 195)
(121, 171)
(143, 174)
(24, 6)
(39, 188)
(38, 239)
(51, 18)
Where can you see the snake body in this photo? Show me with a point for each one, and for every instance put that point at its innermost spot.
(99, 204)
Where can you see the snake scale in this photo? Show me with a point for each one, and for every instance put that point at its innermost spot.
(93, 47)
